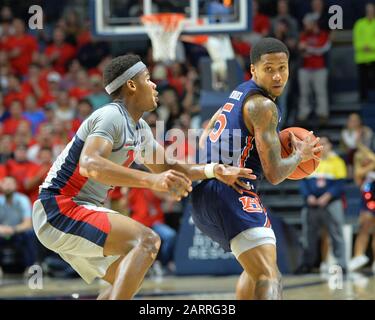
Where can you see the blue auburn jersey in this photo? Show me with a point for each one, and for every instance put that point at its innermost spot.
(230, 142)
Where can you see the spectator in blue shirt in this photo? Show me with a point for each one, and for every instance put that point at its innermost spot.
(323, 192)
(15, 221)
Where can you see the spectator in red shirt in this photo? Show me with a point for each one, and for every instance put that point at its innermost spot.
(146, 208)
(15, 118)
(82, 87)
(15, 91)
(177, 77)
(261, 23)
(36, 175)
(19, 167)
(51, 90)
(23, 135)
(20, 48)
(36, 83)
(314, 44)
(60, 52)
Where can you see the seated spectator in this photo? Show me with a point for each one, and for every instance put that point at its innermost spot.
(59, 52)
(36, 83)
(15, 118)
(15, 221)
(177, 77)
(145, 207)
(64, 110)
(98, 96)
(72, 25)
(51, 89)
(84, 109)
(364, 174)
(4, 113)
(45, 139)
(33, 113)
(20, 47)
(23, 135)
(170, 107)
(92, 52)
(61, 132)
(19, 167)
(82, 86)
(354, 132)
(4, 73)
(36, 175)
(6, 148)
(15, 91)
(323, 191)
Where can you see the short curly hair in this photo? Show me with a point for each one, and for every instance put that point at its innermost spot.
(265, 46)
(117, 67)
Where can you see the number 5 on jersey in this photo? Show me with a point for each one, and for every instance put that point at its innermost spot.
(222, 121)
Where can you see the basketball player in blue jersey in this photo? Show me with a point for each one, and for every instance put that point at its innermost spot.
(234, 218)
(69, 217)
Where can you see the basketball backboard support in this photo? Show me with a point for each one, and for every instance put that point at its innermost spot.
(122, 17)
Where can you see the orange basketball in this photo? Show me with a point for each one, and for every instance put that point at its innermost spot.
(305, 168)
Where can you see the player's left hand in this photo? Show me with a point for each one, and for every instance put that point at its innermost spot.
(231, 176)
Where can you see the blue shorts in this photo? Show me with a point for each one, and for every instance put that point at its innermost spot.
(222, 213)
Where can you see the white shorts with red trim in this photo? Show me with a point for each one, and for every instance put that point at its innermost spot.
(76, 232)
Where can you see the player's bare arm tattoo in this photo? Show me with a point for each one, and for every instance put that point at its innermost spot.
(264, 119)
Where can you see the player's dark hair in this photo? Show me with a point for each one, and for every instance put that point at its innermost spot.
(267, 45)
(117, 67)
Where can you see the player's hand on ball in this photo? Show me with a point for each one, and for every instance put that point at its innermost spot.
(177, 184)
(231, 176)
(307, 148)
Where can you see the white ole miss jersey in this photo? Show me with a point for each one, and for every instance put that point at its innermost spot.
(111, 122)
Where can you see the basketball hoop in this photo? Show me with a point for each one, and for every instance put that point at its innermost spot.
(164, 29)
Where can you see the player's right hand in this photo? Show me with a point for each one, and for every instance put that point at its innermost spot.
(307, 148)
(177, 184)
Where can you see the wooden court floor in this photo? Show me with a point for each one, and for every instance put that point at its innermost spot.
(358, 286)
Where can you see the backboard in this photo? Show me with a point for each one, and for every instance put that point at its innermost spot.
(122, 17)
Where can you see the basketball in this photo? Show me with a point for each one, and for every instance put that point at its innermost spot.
(305, 168)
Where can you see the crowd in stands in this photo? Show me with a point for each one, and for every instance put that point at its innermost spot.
(51, 81)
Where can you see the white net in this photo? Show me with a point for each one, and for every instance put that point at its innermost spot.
(164, 29)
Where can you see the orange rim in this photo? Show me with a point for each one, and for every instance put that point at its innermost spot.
(166, 20)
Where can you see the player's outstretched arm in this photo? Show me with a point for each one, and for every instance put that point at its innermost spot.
(224, 173)
(94, 164)
(261, 118)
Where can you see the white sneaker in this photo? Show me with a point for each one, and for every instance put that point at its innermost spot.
(357, 262)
